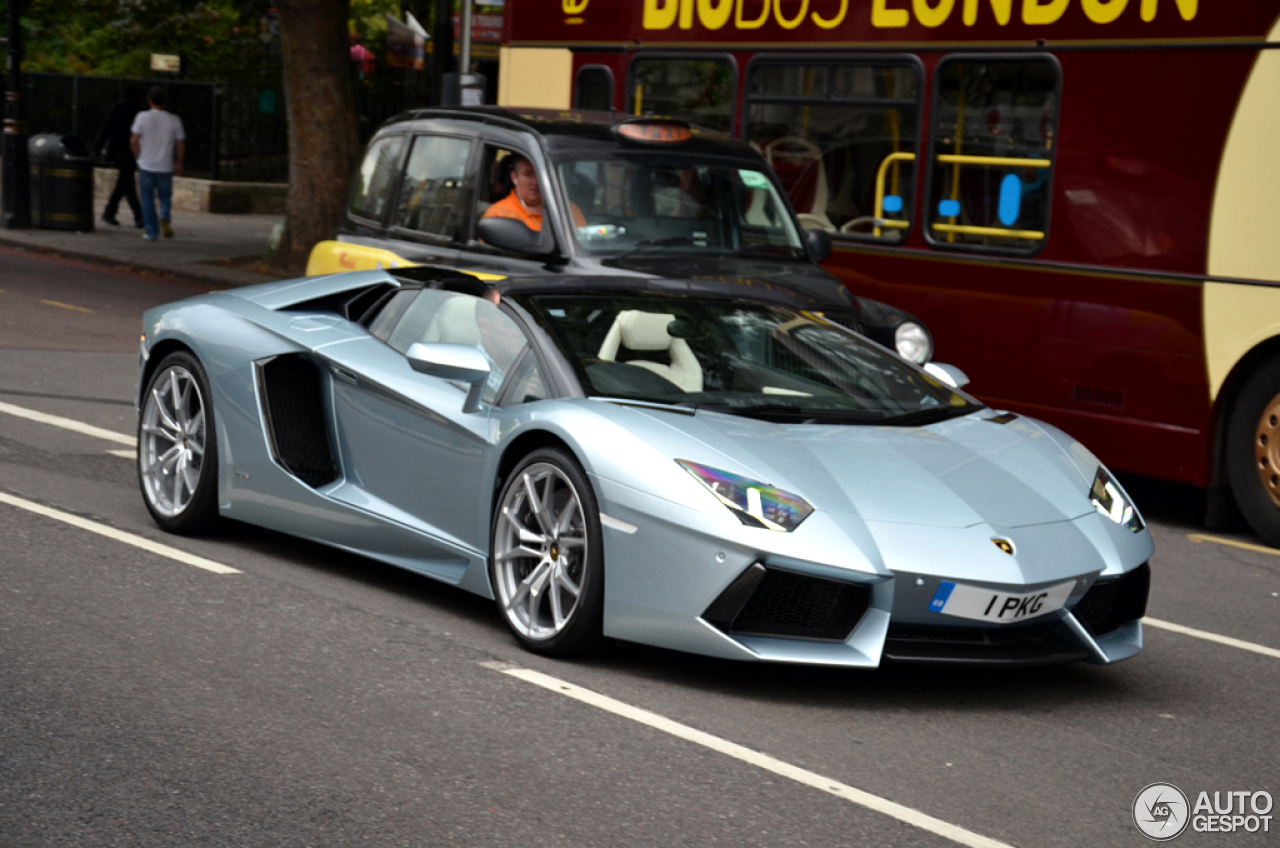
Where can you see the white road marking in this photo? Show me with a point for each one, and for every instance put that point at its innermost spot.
(68, 424)
(124, 454)
(118, 535)
(1213, 637)
(764, 761)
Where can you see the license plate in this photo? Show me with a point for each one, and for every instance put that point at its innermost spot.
(998, 607)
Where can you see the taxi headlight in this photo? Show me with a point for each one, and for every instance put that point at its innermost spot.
(756, 504)
(1109, 499)
(913, 343)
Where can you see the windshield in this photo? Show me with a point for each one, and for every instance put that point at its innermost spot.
(668, 204)
(765, 361)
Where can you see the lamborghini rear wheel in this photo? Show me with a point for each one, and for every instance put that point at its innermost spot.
(177, 449)
(547, 565)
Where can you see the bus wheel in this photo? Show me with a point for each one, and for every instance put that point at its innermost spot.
(1253, 452)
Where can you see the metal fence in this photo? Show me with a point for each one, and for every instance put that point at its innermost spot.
(234, 131)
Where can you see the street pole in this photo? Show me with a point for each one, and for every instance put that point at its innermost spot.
(442, 50)
(16, 199)
(464, 51)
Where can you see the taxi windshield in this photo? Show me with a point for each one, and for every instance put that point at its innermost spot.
(743, 358)
(660, 204)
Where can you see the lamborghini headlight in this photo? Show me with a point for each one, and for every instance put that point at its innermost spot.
(913, 342)
(756, 504)
(1109, 499)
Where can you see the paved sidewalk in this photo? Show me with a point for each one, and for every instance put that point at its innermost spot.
(200, 251)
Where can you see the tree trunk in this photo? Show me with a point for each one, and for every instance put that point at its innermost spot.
(323, 137)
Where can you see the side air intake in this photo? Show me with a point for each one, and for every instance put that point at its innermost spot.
(292, 390)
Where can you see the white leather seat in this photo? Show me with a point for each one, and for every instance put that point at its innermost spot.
(454, 322)
(647, 331)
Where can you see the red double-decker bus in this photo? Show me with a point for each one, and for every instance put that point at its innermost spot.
(1080, 197)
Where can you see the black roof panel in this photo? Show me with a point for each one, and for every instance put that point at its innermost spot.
(563, 129)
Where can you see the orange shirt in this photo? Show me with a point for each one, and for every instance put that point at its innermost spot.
(511, 207)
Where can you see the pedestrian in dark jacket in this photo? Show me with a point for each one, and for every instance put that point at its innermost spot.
(115, 139)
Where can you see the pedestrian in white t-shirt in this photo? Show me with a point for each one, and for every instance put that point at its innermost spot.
(159, 144)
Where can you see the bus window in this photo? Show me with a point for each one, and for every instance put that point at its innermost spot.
(594, 90)
(841, 137)
(697, 90)
(993, 142)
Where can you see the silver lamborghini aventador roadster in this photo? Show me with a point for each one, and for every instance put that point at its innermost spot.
(657, 461)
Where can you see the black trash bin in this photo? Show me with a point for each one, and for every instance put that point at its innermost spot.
(61, 182)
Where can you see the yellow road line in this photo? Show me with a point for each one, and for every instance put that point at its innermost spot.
(66, 306)
(1232, 543)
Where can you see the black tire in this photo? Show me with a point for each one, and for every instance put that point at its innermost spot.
(188, 509)
(1253, 452)
(581, 632)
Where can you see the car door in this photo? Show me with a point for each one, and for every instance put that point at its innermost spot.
(408, 451)
(428, 222)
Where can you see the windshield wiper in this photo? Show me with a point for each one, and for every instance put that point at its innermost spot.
(665, 241)
(793, 411)
(781, 249)
(921, 417)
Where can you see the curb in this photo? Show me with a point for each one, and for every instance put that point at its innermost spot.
(212, 276)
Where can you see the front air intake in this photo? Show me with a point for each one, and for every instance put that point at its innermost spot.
(778, 602)
(1111, 604)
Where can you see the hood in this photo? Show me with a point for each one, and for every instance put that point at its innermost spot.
(956, 473)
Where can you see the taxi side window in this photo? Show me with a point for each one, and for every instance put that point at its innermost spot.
(434, 186)
(496, 173)
(371, 195)
(497, 187)
(993, 150)
(841, 135)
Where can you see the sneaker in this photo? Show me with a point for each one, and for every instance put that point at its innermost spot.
(166, 229)
(110, 219)
(146, 237)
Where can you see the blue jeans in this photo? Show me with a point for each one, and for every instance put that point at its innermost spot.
(151, 184)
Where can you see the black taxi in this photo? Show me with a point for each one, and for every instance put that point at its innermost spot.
(499, 193)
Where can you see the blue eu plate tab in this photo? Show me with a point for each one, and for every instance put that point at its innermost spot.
(940, 597)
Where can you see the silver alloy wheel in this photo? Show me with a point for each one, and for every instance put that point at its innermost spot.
(540, 551)
(171, 450)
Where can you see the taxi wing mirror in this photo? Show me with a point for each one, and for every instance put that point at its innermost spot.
(510, 234)
(819, 244)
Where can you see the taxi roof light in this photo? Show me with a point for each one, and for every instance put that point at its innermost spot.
(654, 131)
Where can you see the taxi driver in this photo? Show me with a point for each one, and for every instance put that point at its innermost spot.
(524, 203)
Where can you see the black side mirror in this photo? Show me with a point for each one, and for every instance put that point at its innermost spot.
(819, 244)
(510, 234)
